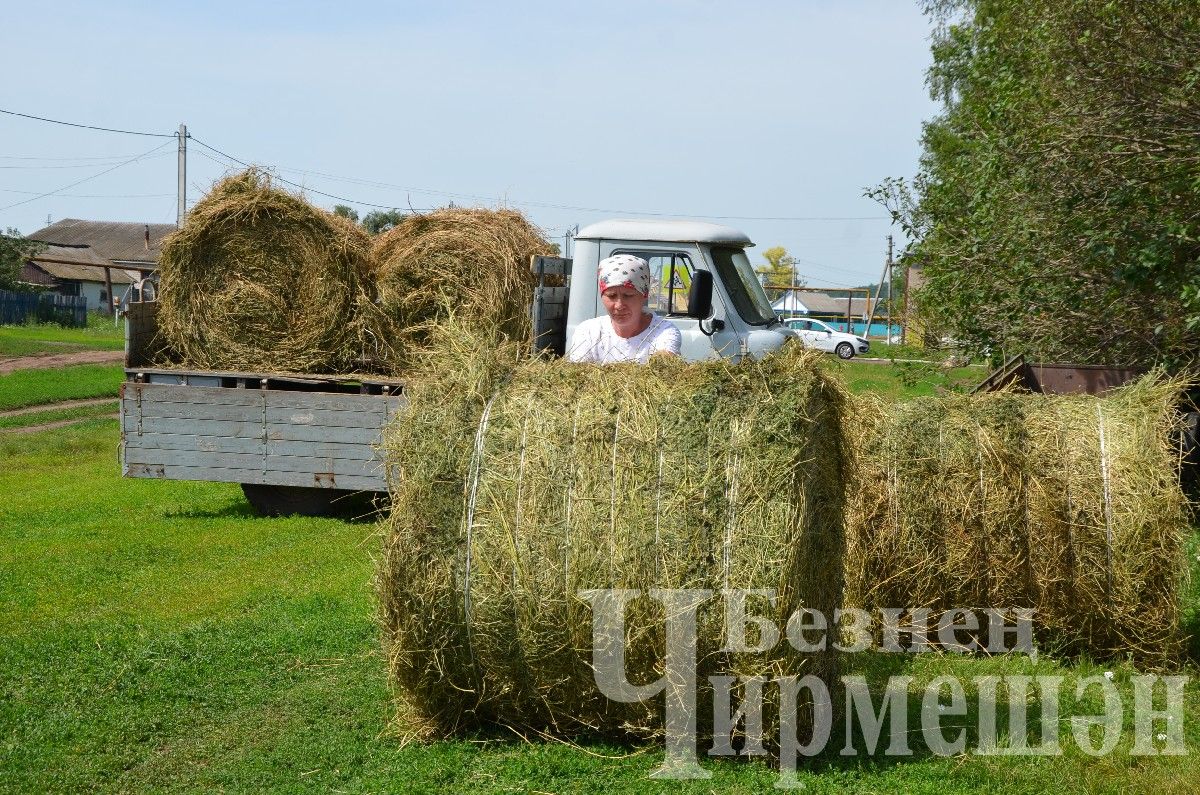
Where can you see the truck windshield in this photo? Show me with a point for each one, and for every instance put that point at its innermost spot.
(741, 282)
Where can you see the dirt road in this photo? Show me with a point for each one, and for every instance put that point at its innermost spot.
(61, 360)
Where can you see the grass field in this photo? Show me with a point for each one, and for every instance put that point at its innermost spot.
(99, 335)
(73, 413)
(22, 388)
(901, 380)
(156, 635)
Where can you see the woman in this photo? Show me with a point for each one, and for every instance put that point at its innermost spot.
(629, 332)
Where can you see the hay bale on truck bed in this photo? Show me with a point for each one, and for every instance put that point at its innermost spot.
(471, 263)
(521, 486)
(260, 280)
(1066, 504)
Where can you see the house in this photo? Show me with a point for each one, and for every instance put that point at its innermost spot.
(78, 270)
(127, 245)
(820, 305)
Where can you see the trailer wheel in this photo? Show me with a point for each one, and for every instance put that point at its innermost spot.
(308, 501)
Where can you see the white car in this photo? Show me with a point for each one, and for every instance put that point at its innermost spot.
(820, 335)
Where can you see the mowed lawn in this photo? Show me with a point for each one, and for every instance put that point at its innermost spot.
(157, 635)
(100, 334)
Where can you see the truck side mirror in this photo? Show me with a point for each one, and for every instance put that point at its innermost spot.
(700, 295)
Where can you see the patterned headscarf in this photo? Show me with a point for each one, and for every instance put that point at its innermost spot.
(625, 270)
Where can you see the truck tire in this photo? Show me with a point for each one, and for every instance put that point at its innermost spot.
(306, 501)
(844, 350)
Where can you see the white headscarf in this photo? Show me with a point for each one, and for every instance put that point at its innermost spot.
(625, 270)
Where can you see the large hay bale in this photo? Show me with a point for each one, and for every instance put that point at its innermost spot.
(1066, 504)
(471, 263)
(522, 485)
(260, 280)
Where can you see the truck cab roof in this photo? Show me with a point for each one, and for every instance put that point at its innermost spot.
(667, 231)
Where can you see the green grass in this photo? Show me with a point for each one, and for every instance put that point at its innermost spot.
(22, 388)
(156, 635)
(99, 335)
(57, 415)
(902, 380)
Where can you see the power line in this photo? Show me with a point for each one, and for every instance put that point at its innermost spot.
(548, 205)
(86, 179)
(87, 126)
(31, 157)
(92, 195)
(295, 184)
(545, 205)
(104, 161)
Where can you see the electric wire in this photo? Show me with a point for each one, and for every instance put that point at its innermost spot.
(89, 126)
(544, 205)
(85, 179)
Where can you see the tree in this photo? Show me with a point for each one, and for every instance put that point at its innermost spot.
(1054, 211)
(15, 251)
(779, 270)
(348, 213)
(378, 221)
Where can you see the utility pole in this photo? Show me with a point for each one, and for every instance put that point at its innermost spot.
(181, 188)
(890, 264)
(568, 240)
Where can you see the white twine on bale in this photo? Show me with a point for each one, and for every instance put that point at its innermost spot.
(1108, 530)
(516, 531)
(983, 539)
(731, 500)
(475, 467)
(612, 510)
(658, 510)
(570, 490)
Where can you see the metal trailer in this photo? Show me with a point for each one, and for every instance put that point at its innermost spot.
(296, 443)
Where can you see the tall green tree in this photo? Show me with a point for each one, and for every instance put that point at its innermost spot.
(778, 270)
(346, 212)
(378, 221)
(15, 251)
(1057, 206)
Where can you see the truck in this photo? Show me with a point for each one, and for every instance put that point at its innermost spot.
(311, 444)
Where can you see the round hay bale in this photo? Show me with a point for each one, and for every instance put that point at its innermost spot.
(521, 486)
(471, 263)
(1012, 500)
(260, 280)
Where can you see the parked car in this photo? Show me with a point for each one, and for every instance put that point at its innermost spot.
(820, 335)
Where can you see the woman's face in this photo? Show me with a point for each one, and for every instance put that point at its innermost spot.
(623, 304)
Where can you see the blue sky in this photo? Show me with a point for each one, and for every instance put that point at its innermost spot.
(571, 112)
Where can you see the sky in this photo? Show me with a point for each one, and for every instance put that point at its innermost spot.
(772, 117)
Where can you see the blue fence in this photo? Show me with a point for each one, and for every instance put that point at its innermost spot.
(878, 330)
(20, 308)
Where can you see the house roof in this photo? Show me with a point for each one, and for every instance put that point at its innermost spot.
(820, 304)
(119, 241)
(824, 304)
(72, 263)
(69, 255)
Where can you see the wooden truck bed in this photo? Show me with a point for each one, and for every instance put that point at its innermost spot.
(261, 436)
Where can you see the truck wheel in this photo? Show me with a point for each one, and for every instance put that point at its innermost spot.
(306, 501)
(844, 350)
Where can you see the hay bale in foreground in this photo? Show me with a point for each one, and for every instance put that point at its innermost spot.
(1066, 504)
(259, 280)
(671, 475)
(473, 263)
